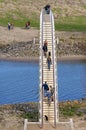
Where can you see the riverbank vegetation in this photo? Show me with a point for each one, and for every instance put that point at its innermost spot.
(67, 109)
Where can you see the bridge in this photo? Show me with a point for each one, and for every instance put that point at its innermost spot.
(47, 32)
(48, 107)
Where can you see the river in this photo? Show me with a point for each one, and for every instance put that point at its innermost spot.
(19, 81)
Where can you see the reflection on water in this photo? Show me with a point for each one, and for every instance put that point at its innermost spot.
(19, 81)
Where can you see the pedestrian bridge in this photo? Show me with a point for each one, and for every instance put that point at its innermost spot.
(48, 108)
(47, 32)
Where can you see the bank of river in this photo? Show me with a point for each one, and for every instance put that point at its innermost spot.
(12, 116)
(19, 44)
(28, 50)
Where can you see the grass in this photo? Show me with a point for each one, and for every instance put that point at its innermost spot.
(61, 24)
(84, 6)
(32, 116)
(55, 10)
(19, 19)
(19, 13)
(66, 110)
(19, 22)
(70, 27)
(70, 110)
(71, 24)
(1, 0)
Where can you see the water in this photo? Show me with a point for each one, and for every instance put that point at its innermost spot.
(19, 81)
(72, 80)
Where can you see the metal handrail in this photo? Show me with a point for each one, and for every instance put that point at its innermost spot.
(54, 67)
(41, 65)
(53, 70)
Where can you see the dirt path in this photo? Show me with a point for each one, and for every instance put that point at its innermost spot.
(17, 35)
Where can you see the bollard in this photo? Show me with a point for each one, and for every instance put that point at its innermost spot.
(25, 124)
(71, 124)
(57, 40)
(34, 40)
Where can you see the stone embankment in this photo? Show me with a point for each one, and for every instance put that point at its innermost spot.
(71, 43)
(22, 43)
(71, 49)
(21, 49)
(29, 49)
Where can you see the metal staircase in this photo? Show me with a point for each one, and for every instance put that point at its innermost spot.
(47, 32)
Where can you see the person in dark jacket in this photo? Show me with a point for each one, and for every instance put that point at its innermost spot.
(46, 88)
(47, 8)
(49, 62)
(45, 48)
(9, 26)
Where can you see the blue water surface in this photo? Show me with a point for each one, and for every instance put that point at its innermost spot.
(19, 81)
(71, 80)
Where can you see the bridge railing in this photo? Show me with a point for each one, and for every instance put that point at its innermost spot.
(41, 69)
(54, 68)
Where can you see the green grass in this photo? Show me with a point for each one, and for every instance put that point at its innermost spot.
(1, 0)
(70, 27)
(19, 22)
(70, 110)
(61, 24)
(71, 24)
(32, 116)
(19, 19)
(84, 6)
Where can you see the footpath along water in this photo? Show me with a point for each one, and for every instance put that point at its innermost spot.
(19, 81)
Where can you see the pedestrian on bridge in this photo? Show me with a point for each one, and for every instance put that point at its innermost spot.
(52, 89)
(49, 62)
(47, 8)
(50, 94)
(46, 88)
(45, 48)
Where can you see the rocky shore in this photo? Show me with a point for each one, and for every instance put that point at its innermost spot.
(20, 44)
(30, 51)
(13, 115)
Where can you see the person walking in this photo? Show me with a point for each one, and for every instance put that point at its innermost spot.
(46, 88)
(52, 89)
(9, 26)
(45, 48)
(49, 62)
(47, 8)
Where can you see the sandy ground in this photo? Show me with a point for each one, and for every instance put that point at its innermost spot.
(17, 34)
(77, 126)
(12, 125)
